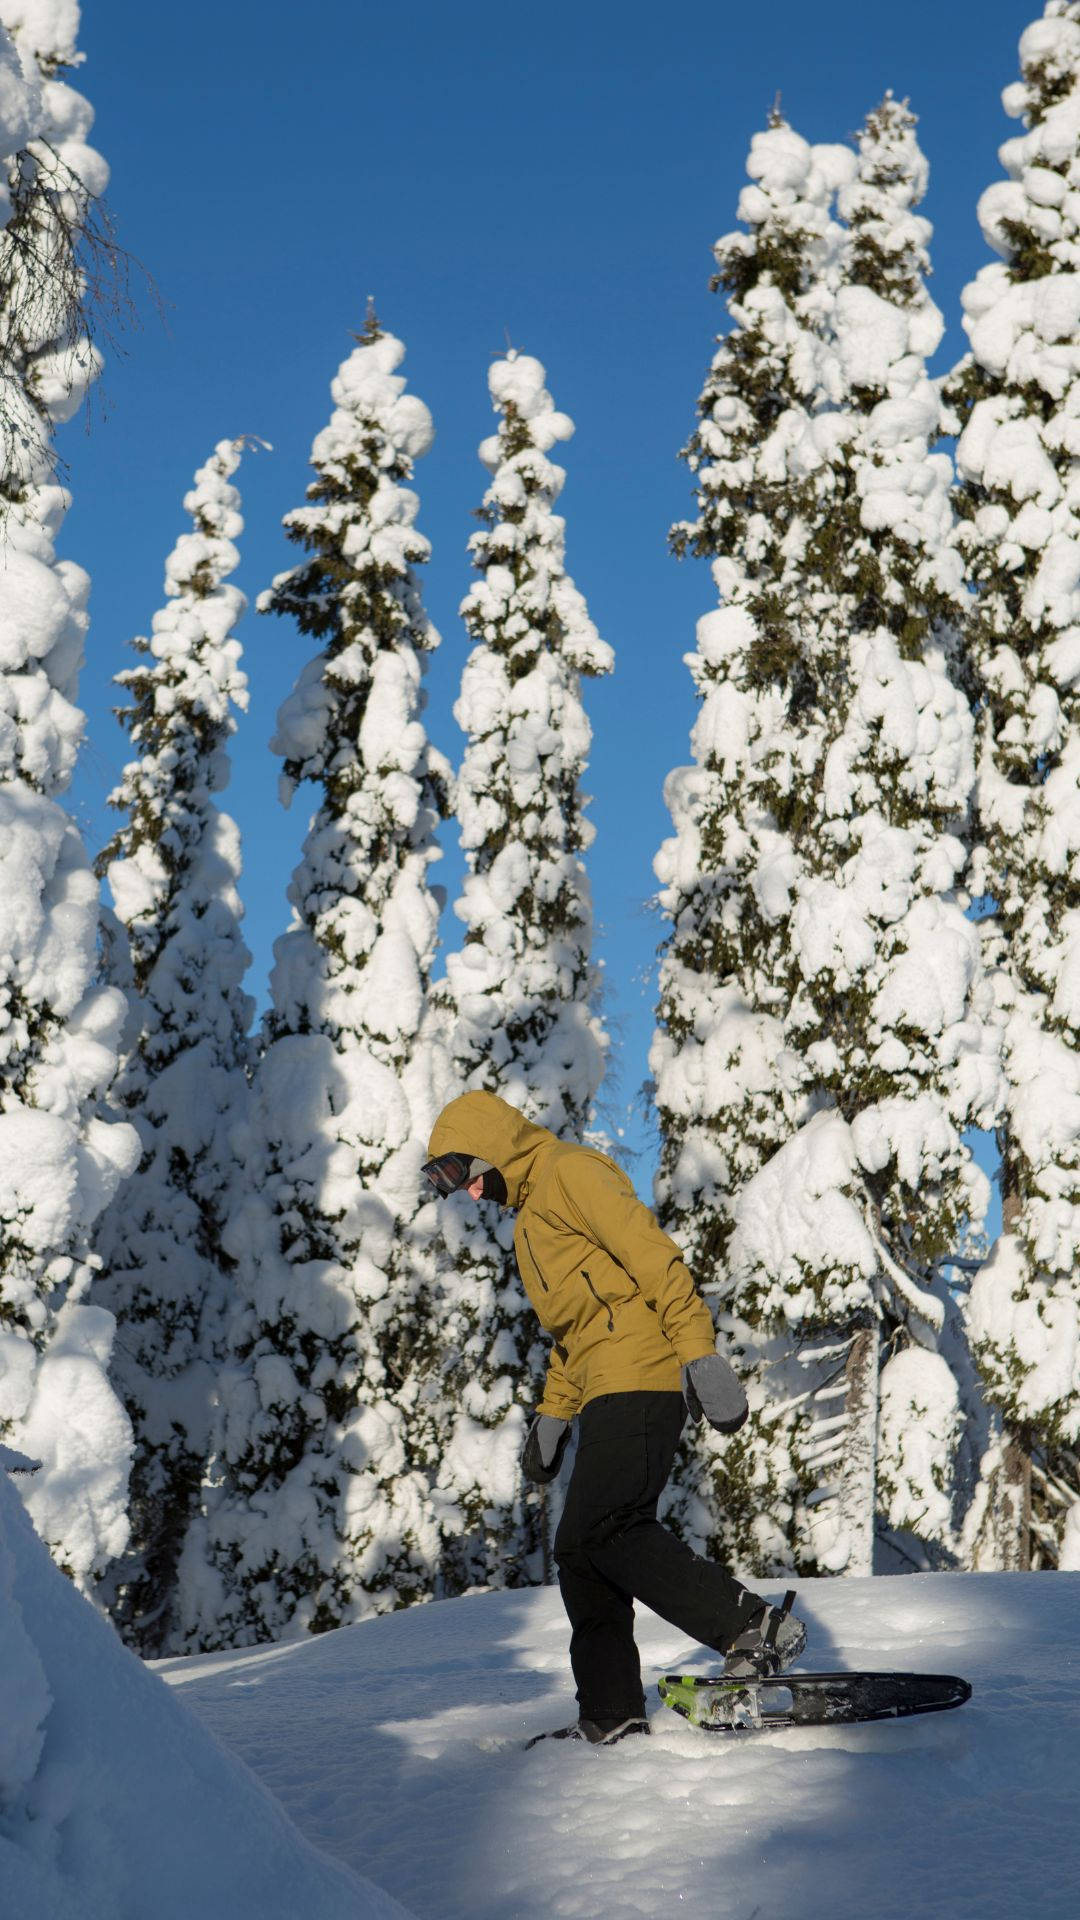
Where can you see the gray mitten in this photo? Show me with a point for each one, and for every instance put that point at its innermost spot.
(713, 1391)
(545, 1445)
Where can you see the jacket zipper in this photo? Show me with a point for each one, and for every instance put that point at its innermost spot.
(535, 1261)
(600, 1303)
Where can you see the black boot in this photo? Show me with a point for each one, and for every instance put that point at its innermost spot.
(598, 1733)
(771, 1639)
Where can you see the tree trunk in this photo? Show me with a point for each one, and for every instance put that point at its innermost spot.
(1014, 1507)
(1010, 1488)
(858, 1485)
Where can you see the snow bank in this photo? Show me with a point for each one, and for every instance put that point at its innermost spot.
(114, 1803)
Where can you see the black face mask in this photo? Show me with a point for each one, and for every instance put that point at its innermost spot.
(452, 1171)
(494, 1186)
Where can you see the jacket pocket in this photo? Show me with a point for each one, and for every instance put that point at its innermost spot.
(602, 1303)
(535, 1261)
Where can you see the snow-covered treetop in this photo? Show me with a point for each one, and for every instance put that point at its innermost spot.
(832, 325)
(526, 603)
(526, 898)
(180, 724)
(1031, 219)
(45, 30)
(772, 370)
(1049, 49)
(518, 382)
(360, 530)
(357, 959)
(884, 328)
(788, 210)
(21, 113)
(889, 248)
(45, 114)
(370, 398)
(47, 361)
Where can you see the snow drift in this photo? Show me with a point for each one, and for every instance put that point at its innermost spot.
(115, 1803)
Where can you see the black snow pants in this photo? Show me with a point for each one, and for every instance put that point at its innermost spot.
(611, 1550)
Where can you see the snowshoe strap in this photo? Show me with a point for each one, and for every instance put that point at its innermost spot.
(778, 1614)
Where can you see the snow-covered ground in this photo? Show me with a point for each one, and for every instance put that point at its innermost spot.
(377, 1771)
(385, 1744)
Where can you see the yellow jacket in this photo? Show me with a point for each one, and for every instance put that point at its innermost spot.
(608, 1285)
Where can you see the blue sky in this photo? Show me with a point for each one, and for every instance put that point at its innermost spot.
(550, 177)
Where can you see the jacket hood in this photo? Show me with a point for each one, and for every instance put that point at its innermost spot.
(487, 1128)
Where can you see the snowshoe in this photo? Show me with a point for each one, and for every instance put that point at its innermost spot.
(723, 1703)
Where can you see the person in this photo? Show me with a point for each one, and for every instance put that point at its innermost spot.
(633, 1349)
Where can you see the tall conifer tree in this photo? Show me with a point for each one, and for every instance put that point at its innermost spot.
(173, 868)
(520, 993)
(60, 1158)
(318, 1510)
(823, 888)
(1016, 397)
(728, 1092)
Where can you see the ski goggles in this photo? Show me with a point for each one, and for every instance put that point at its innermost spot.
(451, 1171)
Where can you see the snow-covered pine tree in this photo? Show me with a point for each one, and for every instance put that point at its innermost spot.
(173, 868)
(60, 1159)
(729, 1091)
(890, 1013)
(1016, 397)
(520, 994)
(818, 882)
(317, 1511)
